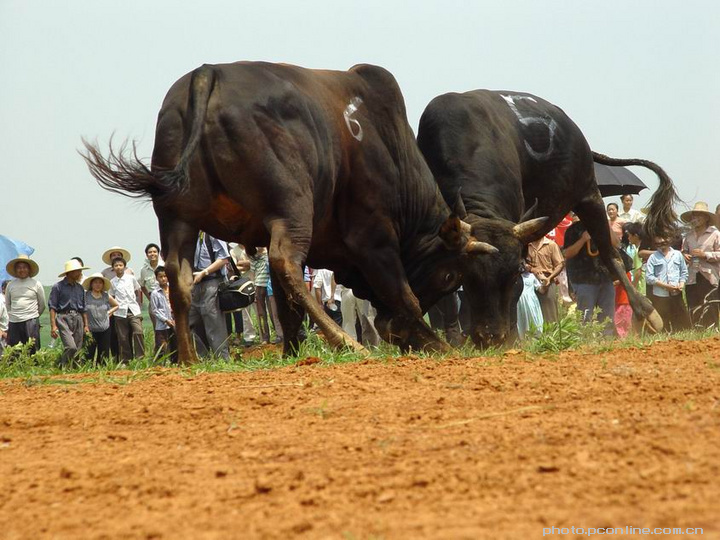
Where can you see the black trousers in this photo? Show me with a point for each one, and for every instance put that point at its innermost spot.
(444, 315)
(99, 348)
(700, 296)
(22, 332)
(672, 310)
(236, 316)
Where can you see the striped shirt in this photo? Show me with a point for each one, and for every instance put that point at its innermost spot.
(260, 266)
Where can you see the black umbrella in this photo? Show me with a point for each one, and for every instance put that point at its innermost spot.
(617, 181)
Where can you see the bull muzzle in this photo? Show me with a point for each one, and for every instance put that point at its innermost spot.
(487, 337)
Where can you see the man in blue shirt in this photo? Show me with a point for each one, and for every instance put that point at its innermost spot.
(67, 311)
(207, 322)
(667, 273)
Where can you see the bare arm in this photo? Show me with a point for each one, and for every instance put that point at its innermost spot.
(53, 324)
(575, 248)
(214, 267)
(113, 305)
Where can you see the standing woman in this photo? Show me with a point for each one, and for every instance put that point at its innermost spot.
(99, 306)
(701, 249)
(615, 222)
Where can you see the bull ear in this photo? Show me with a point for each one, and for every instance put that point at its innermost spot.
(527, 229)
(452, 233)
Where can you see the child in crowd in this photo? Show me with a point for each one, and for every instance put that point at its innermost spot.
(667, 273)
(99, 306)
(128, 320)
(529, 312)
(161, 309)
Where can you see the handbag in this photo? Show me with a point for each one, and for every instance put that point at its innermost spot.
(236, 294)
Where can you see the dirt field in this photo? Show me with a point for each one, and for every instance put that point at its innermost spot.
(480, 448)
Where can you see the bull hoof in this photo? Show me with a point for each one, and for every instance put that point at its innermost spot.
(655, 322)
(437, 346)
(357, 348)
(652, 323)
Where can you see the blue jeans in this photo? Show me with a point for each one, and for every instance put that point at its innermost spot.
(591, 296)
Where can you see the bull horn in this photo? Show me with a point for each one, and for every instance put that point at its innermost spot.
(465, 227)
(459, 208)
(530, 211)
(527, 229)
(475, 247)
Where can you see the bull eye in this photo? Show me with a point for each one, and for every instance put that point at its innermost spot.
(449, 277)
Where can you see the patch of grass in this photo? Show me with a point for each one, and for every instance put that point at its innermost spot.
(569, 333)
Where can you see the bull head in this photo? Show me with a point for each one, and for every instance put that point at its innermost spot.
(455, 234)
(526, 230)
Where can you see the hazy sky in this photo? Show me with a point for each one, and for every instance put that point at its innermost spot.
(640, 78)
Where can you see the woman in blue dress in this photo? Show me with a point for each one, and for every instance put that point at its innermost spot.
(529, 313)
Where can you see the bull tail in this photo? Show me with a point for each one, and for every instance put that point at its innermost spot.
(661, 218)
(124, 173)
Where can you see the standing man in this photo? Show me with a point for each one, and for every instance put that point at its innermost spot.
(629, 214)
(68, 318)
(211, 255)
(588, 277)
(128, 320)
(25, 302)
(110, 255)
(546, 262)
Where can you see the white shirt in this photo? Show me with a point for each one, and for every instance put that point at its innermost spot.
(123, 290)
(109, 273)
(3, 317)
(632, 216)
(323, 280)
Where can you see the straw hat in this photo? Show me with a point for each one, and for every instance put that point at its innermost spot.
(71, 266)
(10, 266)
(97, 275)
(106, 256)
(699, 208)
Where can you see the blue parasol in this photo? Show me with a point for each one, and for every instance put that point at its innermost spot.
(9, 249)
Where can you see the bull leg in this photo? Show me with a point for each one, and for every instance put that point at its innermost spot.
(178, 247)
(286, 258)
(592, 214)
(291, 317)
(402, 323)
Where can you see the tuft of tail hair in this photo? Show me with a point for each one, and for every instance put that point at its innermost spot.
(661, 219)
(124, 173)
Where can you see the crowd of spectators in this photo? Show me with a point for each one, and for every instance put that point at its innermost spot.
(101, 315)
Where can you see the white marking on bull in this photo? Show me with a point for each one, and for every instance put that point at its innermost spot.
(548, 122)
(353, 125)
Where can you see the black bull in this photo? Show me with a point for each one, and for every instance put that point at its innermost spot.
(322, 167)
(500, 149)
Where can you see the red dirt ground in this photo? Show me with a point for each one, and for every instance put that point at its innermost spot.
(478, 448)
